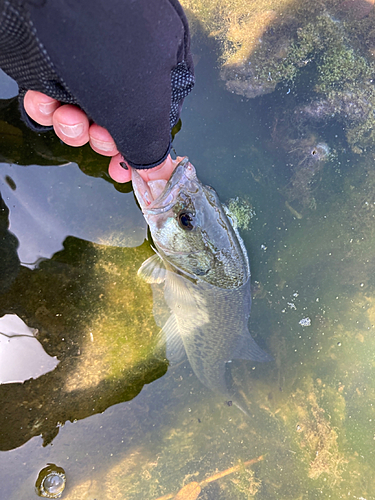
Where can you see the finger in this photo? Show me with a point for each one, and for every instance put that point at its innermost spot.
(71, 125)
(116, 171)
(40, 107)
(101, 141)
(162, 171)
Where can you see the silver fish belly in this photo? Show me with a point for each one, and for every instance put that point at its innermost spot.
(213, 327)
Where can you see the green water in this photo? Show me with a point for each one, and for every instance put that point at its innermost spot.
(112, 414)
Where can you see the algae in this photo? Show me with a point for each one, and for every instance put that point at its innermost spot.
(246, 484)
(263, 44)
(241, 210)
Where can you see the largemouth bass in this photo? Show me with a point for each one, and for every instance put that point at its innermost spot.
(202, 264)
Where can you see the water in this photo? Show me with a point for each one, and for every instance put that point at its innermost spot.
(112, 414)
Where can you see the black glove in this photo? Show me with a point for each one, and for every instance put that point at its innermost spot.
(126, 63)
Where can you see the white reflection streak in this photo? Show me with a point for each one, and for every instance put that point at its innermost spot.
(21, 355)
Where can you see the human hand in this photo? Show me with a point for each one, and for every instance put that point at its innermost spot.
(72, 126)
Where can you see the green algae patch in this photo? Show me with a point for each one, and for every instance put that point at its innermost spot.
(257, 39)
(121, 335)
(246, 483)
(238, 24)
(118, 334)
(241, 211)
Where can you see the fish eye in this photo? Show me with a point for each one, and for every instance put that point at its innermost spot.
(185, 220)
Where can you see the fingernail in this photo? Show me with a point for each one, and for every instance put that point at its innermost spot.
(72, 131)
(47, 108)
(102, 145)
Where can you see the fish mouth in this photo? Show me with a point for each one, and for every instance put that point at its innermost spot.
(158, 196)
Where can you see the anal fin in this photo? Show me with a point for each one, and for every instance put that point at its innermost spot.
(247, 348)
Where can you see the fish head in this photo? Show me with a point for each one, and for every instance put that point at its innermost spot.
(190, 228)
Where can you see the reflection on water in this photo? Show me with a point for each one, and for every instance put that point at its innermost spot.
(111, 413)
(48, 204)
(21, 355)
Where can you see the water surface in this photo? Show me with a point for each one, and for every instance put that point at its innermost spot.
(103, 405)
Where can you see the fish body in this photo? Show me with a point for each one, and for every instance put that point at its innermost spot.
(202, 267)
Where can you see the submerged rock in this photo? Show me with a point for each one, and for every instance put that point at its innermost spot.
(305, 157)
(311, 157)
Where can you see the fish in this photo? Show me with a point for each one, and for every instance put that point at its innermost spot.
(202, 268)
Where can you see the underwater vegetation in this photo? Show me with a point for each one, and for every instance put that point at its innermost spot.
(263, 43)
(244, 481)
(320, 55)
(344, 87)
(242, 211)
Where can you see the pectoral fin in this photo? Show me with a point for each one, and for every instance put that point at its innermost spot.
(247, 348)
(171, 336)
(153, 270)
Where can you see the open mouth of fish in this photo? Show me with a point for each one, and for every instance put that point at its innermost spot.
(158, 196)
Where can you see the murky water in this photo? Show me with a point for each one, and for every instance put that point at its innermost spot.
(82, 385)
